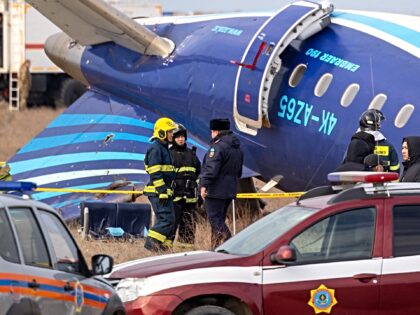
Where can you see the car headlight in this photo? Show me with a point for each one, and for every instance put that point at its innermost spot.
(130, 289)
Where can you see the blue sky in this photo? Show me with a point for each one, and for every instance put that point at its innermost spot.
(395, 6)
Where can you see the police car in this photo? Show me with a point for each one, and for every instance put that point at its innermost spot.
(355, 250)
(42, 271)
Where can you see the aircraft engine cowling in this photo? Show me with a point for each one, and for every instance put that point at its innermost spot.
(66, 54)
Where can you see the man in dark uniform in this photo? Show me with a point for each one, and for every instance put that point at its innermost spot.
(222, 166)
(158, 164)
(187, 169)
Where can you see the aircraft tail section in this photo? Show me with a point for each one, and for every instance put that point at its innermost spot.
(91, 22)
(97, 142)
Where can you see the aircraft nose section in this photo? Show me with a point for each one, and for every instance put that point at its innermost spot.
(66, 54)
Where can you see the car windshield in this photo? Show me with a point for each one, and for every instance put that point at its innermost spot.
(258, 235)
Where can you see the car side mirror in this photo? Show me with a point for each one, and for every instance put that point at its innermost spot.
(102, 264)
(286, 255)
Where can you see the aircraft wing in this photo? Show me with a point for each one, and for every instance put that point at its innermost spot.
(91, 22)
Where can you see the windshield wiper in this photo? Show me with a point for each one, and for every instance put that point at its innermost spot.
(223, 251)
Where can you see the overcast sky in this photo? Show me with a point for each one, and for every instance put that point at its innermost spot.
(395, 6)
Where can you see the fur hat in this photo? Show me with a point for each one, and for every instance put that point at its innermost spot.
(220, 124)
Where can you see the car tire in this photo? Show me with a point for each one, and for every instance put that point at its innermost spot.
(209, 310)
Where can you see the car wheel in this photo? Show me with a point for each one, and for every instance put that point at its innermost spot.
(209, 310)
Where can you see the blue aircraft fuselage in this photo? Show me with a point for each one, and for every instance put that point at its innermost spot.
(308, 134)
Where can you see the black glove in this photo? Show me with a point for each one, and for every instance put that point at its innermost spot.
(163, 199)
(200, 201)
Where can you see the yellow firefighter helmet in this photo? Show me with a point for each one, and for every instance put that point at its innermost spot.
(162, 126)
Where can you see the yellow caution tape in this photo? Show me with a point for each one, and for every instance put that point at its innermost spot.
(269, 195)
(140, 192)
(91, 191)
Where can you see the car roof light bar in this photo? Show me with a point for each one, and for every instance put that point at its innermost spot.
(17, 186)
(395, 188)
(363, 177)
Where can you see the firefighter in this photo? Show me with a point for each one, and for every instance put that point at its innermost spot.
(383, 147)
(222, 166)
(158, 164)
(361, 145)
(187, 169)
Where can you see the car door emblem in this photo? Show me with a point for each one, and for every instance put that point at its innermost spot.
(322, 299)
(78, 296)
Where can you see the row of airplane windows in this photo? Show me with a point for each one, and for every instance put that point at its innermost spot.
(350, 94)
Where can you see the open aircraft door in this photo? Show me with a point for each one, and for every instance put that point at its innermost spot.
(261, 60)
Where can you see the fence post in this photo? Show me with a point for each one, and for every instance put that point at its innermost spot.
(234, 216)
(85, 231)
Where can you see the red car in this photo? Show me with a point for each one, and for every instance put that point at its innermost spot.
(355, 251)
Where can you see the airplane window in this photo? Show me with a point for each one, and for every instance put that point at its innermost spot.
(378, 101)
(297, 75)
(349, 94)
(404, 115)
(323, 84)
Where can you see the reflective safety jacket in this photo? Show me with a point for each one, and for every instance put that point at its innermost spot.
(386, 151)
(187, 169)
(158, 164)
(389, 155)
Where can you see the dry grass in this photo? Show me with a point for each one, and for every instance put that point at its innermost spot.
(17, 128)
(126, 250)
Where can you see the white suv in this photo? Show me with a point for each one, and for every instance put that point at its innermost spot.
(42, 270)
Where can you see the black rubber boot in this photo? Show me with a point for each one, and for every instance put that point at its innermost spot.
(153, 245)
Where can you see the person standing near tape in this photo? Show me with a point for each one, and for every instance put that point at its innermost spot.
(222, 167)
(158, 164)
(187, 169)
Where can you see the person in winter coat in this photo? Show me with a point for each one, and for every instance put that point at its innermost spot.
(222, 167)
(411, 159)
(187, 169)
(361, 145)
